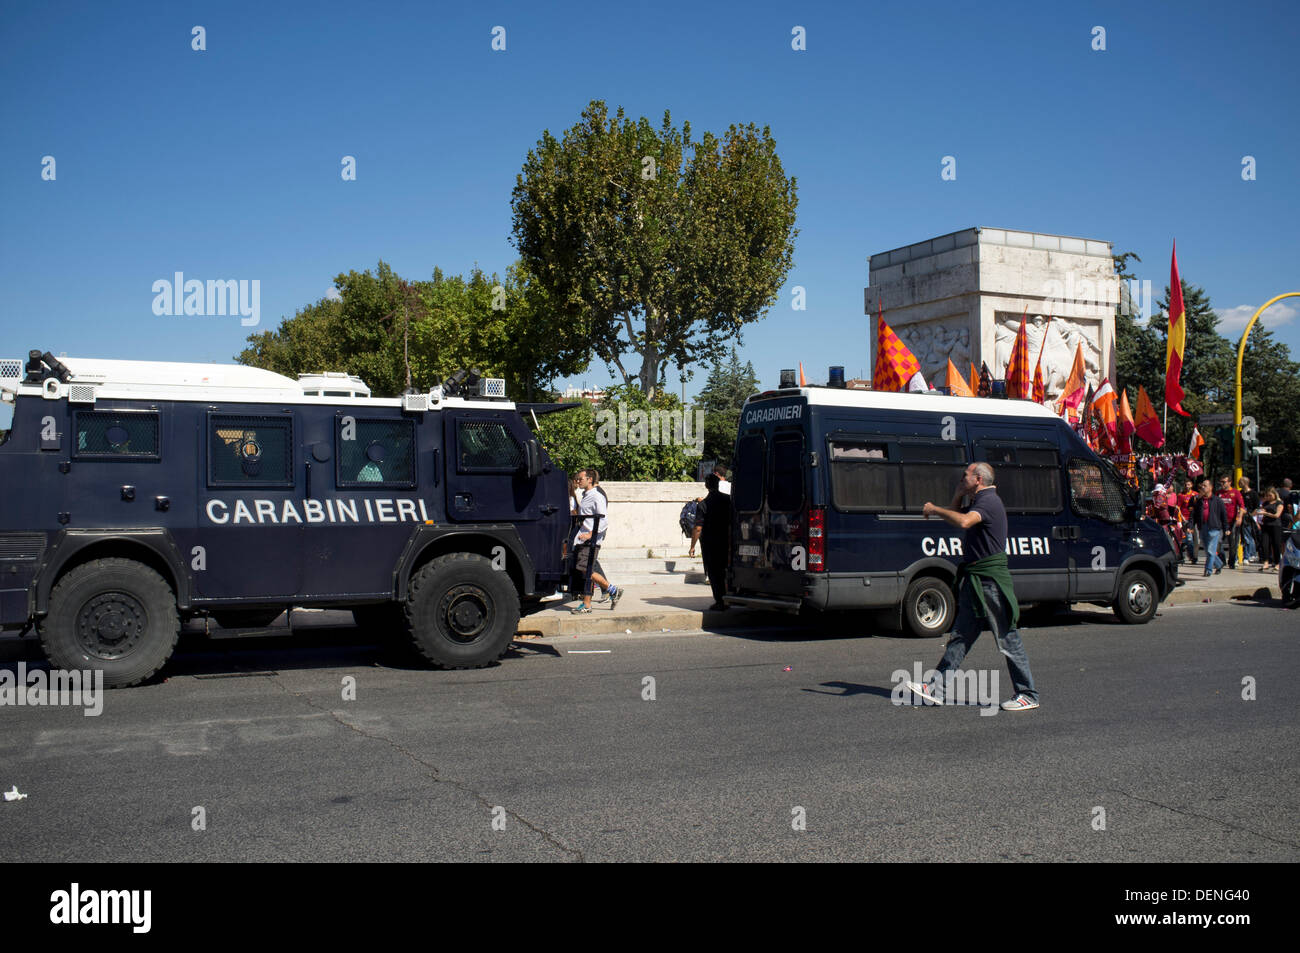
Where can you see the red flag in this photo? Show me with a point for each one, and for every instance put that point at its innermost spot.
(895, 364)
(1148, 421)
(1176, 341)
(1018, 366)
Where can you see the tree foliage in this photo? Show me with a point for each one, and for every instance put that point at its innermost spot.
(728, 386)
(395, 333)
(652, 242)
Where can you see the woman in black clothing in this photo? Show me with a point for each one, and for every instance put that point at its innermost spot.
(1270, 551)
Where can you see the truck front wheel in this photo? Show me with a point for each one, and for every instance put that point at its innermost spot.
(460, 612)
(1138, 597)
(116, 616)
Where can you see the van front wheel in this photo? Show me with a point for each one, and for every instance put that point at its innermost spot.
(1138, 598)
(929, 607)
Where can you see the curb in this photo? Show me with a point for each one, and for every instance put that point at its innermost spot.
(1189, 596)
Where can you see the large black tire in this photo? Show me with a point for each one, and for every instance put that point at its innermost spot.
(116, 616)
(929, 607)
(460, 612)
(1138, 598)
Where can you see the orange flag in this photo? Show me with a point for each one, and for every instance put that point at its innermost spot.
(803, 381)
(1040, 393)
(895, 364)
(974, 378)
(1148, 422)
(1194, 450)
(1075, 385)
(1103, 405)
(1018, 366)
(1126, 426)
(956, 386)
(1175, 342)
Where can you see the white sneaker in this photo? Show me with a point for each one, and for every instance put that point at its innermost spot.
(1019, 703)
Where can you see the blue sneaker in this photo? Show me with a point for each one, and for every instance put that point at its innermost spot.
(615, 594)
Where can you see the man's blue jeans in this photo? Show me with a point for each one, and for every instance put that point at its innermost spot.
(968, 627)
(1210, 539)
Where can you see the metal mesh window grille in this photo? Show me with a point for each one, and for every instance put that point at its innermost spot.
(250, 450)
(376, 453)
(1094, 493)
(486, 445)
(106, 434)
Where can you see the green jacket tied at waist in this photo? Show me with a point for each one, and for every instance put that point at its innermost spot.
(994, 569)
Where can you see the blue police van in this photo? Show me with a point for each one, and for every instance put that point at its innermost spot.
(139, 495)
(829, 483)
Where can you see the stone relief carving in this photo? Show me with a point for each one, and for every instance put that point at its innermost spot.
(935, 342)
(1063, 337)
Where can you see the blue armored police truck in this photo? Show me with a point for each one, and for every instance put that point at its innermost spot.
(829, 484)
(135, 496)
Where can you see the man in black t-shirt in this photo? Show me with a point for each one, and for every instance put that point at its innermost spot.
(986, 598)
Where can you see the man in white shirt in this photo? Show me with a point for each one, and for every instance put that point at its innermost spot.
(587, 540)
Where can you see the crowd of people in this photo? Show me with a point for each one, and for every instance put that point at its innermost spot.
(1234, 526)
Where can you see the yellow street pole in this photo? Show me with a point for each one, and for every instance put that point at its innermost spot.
(1241, 353)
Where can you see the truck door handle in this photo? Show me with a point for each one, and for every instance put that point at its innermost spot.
(1065, 532)
(549, 508)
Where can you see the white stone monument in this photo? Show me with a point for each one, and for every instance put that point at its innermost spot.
(961, 296)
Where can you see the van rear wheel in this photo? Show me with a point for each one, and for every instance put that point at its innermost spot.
(117, 616)
(460, 612)
(1138, 598)
(929, 607)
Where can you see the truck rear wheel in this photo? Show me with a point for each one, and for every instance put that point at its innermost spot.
(929, 607)
(460, 612)
(1138, 597)
(116, 616)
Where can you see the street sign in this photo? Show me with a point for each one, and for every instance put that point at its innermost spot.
(1264, 450)
(1214, 420)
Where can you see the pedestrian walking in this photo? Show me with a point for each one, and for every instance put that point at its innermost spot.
(713, 531)
(1210, 517)
(986, 598)
(1249, 528)
(586, 541)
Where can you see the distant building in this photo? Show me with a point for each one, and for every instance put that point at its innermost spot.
(595, 395)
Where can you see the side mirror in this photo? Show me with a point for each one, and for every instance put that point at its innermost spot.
(533, 459)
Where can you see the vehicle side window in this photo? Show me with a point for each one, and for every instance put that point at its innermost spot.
(931, 471)
(1028, 477)
(865, 477)
(750, 469)
(487, 446)
(376, 453)
(250, 451)
(110, 435)
(785, 495)
(1095, 494)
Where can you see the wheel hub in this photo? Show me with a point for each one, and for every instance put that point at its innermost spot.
(930, 609)
(111, 625)
(467, 611)
(1139, 598)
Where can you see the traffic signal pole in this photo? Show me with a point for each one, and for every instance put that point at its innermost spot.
(1241, 353)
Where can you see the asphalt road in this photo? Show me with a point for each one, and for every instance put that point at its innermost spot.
(559, 747)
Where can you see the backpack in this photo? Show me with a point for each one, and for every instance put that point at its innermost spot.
(687, 519)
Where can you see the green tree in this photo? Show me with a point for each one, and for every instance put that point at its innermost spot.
(1270, 392)
(651, 242)
(569, 436)
(725, 391)
(396, 334)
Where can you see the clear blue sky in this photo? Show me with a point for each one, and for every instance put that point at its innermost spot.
(225, 163)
